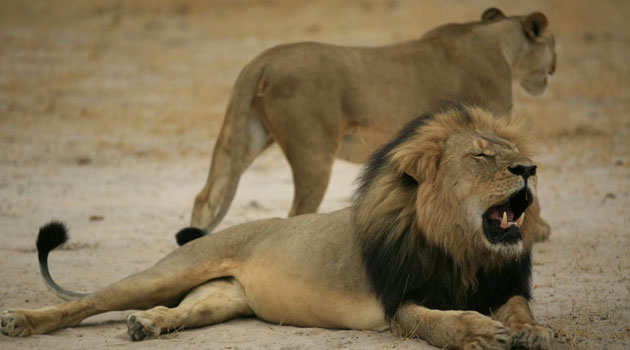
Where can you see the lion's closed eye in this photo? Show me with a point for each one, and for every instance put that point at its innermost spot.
(482, 155)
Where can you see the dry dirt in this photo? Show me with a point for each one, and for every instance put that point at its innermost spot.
(109, 110)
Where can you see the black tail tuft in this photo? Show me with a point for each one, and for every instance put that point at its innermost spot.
(50, 236)
(188, 234)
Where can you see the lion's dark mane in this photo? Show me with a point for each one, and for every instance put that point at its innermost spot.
(406, 268)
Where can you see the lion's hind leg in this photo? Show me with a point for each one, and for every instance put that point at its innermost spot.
(23, 322)
(137, 291)
(15, 323)
(451, 329)
(210, 303)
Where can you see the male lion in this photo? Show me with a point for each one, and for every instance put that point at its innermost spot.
(320, 102)
(437, 245)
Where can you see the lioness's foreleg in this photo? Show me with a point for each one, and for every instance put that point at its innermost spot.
(526, 332)
(212, 302)
(451, 329)
(541, 229)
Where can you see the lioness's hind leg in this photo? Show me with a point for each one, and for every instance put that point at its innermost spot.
(310, 187)
(213, 302)
(311, 165)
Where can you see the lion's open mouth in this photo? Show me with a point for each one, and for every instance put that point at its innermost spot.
(502, 223)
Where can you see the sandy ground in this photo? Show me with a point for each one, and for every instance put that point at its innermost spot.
(109, 110)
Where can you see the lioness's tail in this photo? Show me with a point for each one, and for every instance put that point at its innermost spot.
(50, 237)
(188, 234)
(243, 137)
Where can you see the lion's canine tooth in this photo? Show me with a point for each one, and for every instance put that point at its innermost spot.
(519, 221)
(504, 222)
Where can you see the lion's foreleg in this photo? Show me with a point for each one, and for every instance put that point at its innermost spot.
(452, 329)
(213, 302)
(527, 333)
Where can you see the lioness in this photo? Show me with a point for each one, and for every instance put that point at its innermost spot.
(319, 101)
(437, 245)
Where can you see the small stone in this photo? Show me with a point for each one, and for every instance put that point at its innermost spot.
(97, 217)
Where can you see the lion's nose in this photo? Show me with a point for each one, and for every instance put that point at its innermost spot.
(523, 170)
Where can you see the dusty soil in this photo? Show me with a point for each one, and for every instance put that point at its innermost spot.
(109, 110)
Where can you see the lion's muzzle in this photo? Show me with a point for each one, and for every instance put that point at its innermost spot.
(502, 222)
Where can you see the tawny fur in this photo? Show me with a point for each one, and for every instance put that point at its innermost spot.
(314, 270)
(320, 102)
(386, 201)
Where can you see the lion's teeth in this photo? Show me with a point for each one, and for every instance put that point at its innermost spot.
(504, 221)
(519, 221)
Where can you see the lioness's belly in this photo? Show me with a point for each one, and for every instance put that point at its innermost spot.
(358, 144)
(284, 297)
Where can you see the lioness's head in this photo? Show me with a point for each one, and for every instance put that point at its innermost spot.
(461, 179)
(536, 60)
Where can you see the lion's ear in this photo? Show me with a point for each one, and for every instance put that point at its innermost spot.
(420, 167)
(535, 24)
(492, 14)
(419, 157)
(407, 159)
(411, 169)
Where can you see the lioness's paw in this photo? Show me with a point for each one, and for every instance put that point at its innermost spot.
(14, 324)
(485, 333)
(542, 231)
(140, 328)
(532, 337)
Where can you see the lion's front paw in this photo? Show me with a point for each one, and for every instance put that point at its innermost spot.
(485, 333)
(14, 324)
(531, 336)
(140, 328)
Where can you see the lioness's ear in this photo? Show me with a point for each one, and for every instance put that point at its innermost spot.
(535, 24)
(492, 14)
